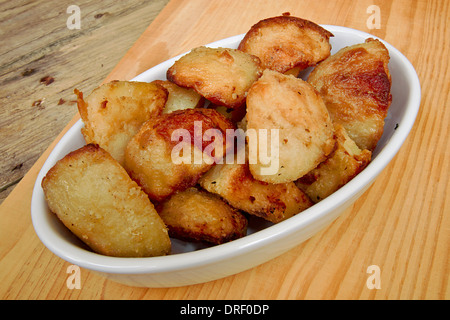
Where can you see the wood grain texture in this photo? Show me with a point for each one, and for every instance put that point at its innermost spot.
(401, 224)
(37, 45)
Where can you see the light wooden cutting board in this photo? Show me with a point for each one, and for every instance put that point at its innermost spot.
(401, 224)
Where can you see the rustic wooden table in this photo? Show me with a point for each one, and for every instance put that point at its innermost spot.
(401, 224)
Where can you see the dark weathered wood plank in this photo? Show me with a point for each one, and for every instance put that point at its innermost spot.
(42, 61)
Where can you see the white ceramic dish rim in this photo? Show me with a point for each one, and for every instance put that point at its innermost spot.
(189, 260)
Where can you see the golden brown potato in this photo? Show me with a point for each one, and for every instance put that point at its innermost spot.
(161, 164)
(287, 44)
(243, 123)
(355, 85)
(96, 199)
(236, 185)
(343, 164)
(115, 111)
(197, 215)
(293, 109)
(221, 75)
(180, 98)
(234, 115)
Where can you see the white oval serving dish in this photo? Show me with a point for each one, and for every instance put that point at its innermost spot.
(192, 263)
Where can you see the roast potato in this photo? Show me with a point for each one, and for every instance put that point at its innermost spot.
(355, 85)
(156, 163)
(287, 44)
(197, 215)
(292, 109)
(234, 115)
(236, 185)
(115, 111)
(343, 164)
(221, 75)
(92, 194)
(162, 164)
(180, 98)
